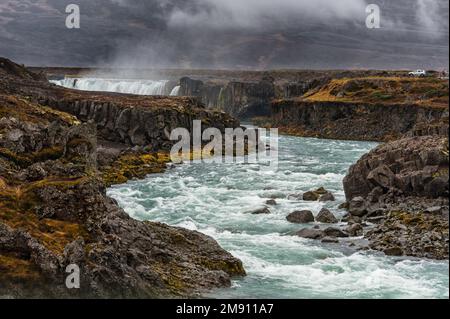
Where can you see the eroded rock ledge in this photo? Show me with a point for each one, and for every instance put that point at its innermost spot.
(54, 210)
(403, 188)
(357, 121)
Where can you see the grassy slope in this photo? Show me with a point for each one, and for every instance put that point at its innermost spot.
(385, 90)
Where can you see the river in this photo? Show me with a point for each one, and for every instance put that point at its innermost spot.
(215, 199)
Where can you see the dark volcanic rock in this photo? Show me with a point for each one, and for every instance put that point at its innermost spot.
(357, 120)
(330, 240)
(355, 230)
(271, 202)
(260, 211)
(320, 194)
(412, 234)
(54, 210)
(334, 232)
(394, 186)
(328, 197)
(301, 217)
(357, 206)
(327, 217)
(145, 121)
(242, 99)
(415, 166)
(311, 196)
(310, 233)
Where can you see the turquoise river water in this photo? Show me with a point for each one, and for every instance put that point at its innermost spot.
(213, 199)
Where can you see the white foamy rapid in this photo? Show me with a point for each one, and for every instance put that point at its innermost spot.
(214, 199)
(138, 87)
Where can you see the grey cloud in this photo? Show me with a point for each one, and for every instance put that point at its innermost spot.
(265, 13)
(429, 15)
(227, 33)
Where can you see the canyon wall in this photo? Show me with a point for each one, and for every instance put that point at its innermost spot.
(54, 211)
(356, 121)
(146, 122)
(243, 99)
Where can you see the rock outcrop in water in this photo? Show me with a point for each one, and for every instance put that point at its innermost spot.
(404, 186)
(54, 211)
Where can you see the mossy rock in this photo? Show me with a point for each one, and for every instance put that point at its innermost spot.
(134, 165)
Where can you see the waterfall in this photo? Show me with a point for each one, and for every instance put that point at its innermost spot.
(138, 87)
(175, 91)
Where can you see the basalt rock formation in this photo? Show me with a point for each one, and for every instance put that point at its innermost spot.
(403, 186)
(132, 120)
(240, 99)
(250, 96)
(369, 109)
(54, 211)
(356, 121)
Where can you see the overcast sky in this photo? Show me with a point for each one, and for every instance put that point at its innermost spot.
(244, 34)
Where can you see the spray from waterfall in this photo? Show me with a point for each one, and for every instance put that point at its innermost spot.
(138, 87)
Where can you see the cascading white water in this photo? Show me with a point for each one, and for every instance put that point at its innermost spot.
(175, 91)
(138, 87)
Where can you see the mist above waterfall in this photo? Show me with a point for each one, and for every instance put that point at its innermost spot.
(236, 34)
(138, 87)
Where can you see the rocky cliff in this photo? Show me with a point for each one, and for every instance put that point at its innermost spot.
(248, 98)
(240, 99)
(373, 108)
(54, 211)
(356, 121)
(145, 121)
(403, 187)
(133, 120)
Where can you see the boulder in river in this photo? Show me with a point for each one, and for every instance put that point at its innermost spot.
(330, 240)
(334, 232)
(271, 202)
(320, 194)
(355, 230)
(311, 196)
(301, 217)
(326, 217)
(310, 233)
(357, 207)
(260, 211)
(328, 197)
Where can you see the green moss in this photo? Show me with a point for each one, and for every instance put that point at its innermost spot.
(25, 160)
(49, 153)
(18, 159)
(134, 165)
(441, 172)
(231, 268)
(382, 96)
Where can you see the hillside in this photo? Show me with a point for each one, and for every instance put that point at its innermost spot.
(428, 91)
